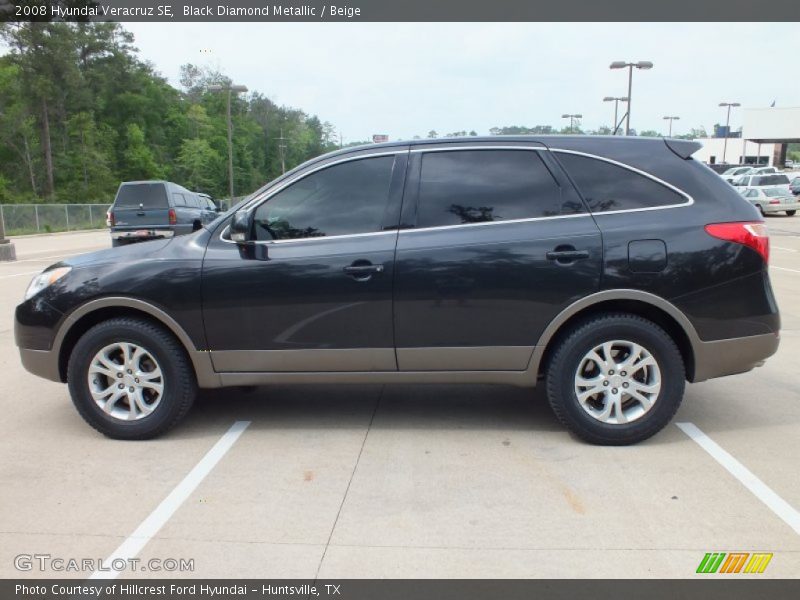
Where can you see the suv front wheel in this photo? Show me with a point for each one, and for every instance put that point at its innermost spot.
(615, 379)
(130, 379)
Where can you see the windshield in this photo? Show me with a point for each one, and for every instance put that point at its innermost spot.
(144, 195)
(774, 192)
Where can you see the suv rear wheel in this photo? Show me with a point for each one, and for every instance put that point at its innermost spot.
(615, 379)
(130, 379)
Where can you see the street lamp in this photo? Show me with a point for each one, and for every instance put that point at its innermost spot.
(619, 64)
(671, 119)
(572, 121)
(616, 106)
(230, 89)
(729, 105)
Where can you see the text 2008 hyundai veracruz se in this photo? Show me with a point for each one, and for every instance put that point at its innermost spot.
(612, 270)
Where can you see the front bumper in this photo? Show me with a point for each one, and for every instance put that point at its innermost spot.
(43, 363)
(736, 355)
(141, 234)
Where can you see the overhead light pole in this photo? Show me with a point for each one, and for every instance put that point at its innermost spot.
(616, 101)
(619, 64)
(230, 89)
(729, 105)
(572, 121)
(671, 119)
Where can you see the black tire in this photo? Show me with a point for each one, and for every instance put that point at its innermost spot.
(760, 209)
(791, 213)
(117, 243)
(566, 360)
(180, 385)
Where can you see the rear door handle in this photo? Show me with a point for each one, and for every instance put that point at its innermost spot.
(567, 255)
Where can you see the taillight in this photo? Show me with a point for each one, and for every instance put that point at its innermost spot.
(173, 218)
(774, 201)
(751, 234)
(109, 218)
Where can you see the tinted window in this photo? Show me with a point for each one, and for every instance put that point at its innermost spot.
(148, 195)
(193, 201)
(343, 199)
(606, 186)
(770, 180)
(475, 186)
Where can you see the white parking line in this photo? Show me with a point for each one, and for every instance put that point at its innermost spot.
(784, 249)
(158, 518)
(784, 269)
(757, 487)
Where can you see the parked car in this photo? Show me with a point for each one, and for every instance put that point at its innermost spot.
(147, 210)
(759, 170)
(771, 199)
(609, 269)
(776, 179)
(794, 186)
(734, 172)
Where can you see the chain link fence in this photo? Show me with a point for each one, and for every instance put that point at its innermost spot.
(23, 219)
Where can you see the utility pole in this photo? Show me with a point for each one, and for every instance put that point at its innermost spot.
(282, 148)
(619, 64)
(230, 89)
(727, 126)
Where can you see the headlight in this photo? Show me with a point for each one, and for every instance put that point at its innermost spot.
(46, 279)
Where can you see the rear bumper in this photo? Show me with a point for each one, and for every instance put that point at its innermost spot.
(732, 356)
(774, 208)
(141, 234)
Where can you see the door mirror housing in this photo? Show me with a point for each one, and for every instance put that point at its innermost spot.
(241, 226)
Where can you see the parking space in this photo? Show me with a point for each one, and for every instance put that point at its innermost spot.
(403, 481)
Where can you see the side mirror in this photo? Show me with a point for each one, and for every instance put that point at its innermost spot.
(240, 226)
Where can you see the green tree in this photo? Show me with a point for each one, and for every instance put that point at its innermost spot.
(139, 160)
(199, 165)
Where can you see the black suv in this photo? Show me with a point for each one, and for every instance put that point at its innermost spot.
(609, 269)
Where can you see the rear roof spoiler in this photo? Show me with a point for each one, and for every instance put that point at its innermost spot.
(683, 148)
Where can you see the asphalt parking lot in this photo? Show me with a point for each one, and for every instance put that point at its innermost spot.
(404, 481)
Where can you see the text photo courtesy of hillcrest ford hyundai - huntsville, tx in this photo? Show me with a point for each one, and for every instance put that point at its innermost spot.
(322, 304)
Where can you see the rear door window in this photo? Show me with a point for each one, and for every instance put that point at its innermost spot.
(606, 186)
(459, 187)
(141, 195)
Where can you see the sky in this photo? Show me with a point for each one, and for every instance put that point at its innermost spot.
(405, 79)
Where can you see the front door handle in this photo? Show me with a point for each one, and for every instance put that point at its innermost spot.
(362, 270)
(566, 254)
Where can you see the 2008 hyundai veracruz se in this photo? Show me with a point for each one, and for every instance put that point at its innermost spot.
(610, 270)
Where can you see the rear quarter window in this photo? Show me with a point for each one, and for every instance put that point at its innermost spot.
(606, 186)
(141, 195)
(770, 180)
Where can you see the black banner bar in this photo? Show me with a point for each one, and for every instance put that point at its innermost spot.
(712, 588)
(399, 10)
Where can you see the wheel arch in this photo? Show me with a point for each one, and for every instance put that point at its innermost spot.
(649, 306)
(96, 311)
